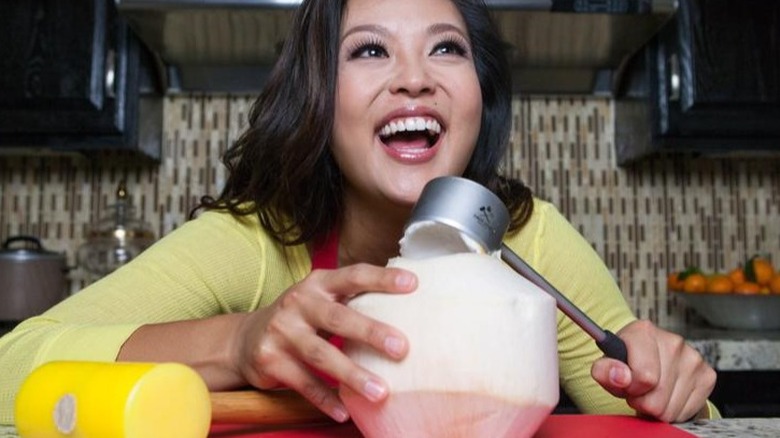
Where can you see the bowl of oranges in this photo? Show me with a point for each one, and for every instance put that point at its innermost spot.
(747, 297)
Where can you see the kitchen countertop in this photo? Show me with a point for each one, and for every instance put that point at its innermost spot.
(735, 350)
(734, 427)
(728, 427)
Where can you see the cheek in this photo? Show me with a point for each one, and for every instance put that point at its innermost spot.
(352, 100)
(343, 119)
(468, 99)
(472, 113)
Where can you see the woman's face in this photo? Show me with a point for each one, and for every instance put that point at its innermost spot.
(408, 101)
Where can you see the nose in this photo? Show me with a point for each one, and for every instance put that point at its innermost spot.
(411, 76)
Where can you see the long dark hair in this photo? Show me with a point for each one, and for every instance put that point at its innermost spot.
(282, 168)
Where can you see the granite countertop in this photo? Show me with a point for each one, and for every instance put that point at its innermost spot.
(735, 350)
(734, 427)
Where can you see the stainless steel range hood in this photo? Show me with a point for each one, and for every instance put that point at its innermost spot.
(559, 46)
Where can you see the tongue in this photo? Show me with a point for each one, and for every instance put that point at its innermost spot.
(407, 142)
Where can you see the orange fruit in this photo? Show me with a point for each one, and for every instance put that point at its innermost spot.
(673, 281)
(720, 284)
(774, 284)
(759, 270)
(695, 282)
(737, 276)
(747, 288)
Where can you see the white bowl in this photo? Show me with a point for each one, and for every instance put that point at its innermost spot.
(736, 311)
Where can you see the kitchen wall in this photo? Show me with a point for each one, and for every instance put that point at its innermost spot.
(657, 216)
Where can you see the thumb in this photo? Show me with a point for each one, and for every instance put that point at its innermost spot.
(613, 375)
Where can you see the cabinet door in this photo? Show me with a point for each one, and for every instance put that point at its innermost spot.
(56, 56)
(718, 71)
(70, 79)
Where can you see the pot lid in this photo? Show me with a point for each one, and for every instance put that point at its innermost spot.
(32, 250)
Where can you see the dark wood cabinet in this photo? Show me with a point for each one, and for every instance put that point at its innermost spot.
(74, 77)
(747, 393)
(708, 83)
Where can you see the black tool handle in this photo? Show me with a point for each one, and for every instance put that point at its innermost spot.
(613, 347)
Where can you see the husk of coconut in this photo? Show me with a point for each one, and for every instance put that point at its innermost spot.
(483, 353)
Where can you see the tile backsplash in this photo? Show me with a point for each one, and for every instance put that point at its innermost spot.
(659, 215)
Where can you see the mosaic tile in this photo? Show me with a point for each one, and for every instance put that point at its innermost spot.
(645, 220)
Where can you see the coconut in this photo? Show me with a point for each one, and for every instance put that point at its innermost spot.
(483, 352)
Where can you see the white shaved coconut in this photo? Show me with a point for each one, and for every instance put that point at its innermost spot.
(483, 353)
(426, 239)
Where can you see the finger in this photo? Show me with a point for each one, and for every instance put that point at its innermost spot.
(613, 375)
(695, 404)
(645, 363)
(356, 279)
(665, 400)
(298, 378)
(336, 318)
(683, 376)
(680, 395)
(686, 384)
(665, 394)
(325, 356)
(702, 388)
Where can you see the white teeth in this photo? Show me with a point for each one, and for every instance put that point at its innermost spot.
(411, 124)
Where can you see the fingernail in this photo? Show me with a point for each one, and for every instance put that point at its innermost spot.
(339, 414)
(394, 346)
(404, 280)
(618, 376)
(374, 391)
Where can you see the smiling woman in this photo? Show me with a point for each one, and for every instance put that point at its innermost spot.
(324, 167)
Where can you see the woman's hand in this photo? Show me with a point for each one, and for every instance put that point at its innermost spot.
(280, 345)
(665, 378)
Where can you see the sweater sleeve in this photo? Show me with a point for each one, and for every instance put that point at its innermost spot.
(208, 266)
(554, 248)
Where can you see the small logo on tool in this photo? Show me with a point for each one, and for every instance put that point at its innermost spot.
(485, 218)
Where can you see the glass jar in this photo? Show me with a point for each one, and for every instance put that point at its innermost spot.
(118, 237)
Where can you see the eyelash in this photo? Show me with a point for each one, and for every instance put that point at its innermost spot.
(360, 48)
(452, 42)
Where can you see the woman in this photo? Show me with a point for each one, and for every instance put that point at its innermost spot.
(369, 101)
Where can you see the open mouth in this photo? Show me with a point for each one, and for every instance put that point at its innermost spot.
(411, 133)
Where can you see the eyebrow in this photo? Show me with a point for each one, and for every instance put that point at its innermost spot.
(434, 29)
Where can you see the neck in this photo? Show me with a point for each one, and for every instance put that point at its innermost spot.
(370, 235)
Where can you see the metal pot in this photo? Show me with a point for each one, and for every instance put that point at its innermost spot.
(32, 279)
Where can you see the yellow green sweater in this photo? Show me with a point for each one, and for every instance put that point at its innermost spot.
(218, 264)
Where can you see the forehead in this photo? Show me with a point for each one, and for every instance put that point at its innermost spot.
(401, 13)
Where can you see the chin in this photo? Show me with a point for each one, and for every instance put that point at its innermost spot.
(408, 191)
(403, 186)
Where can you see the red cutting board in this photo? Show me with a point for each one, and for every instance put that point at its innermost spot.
(556, 426)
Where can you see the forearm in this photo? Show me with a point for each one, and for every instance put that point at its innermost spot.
(207, 345)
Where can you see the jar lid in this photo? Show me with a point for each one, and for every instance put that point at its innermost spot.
(33, 251)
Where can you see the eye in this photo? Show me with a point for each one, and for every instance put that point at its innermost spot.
(450, 46)
(368, 50)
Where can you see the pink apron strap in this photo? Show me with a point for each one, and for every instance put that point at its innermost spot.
(325, 255)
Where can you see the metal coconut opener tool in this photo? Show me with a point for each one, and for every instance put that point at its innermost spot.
(478, 213)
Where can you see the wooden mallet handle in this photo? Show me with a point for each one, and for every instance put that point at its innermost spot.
(264, 407)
